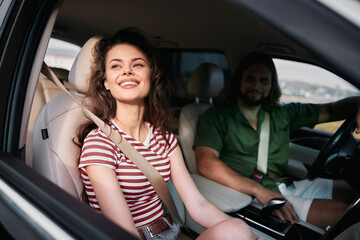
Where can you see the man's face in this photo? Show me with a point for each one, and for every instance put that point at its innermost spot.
(255, 84)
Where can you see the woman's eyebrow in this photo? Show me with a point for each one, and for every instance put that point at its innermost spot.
(137, 58)
(116, 60)
(120, 60)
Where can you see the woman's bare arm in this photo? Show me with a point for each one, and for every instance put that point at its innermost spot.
(110, 197)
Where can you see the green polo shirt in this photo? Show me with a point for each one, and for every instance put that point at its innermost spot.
(227, 131)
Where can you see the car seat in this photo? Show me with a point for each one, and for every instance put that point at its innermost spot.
(204, 84)
(44, 92)
(55, 155)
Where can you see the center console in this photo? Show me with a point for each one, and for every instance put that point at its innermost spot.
(276, 228)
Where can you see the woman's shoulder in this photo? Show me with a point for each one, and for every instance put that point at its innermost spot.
(159, 134)
(98, 134)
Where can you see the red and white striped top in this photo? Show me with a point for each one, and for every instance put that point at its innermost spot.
(145, 205)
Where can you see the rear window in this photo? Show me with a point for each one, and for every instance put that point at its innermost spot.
(181, 64)
(61, 54)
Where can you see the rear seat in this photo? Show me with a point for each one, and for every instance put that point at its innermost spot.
(45, 90)
(48, 89)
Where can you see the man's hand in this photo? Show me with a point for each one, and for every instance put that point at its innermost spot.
(287, 210)
(209, 166)
(340, 110)
(357, 131)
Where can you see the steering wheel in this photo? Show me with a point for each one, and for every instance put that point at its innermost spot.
(340, 146)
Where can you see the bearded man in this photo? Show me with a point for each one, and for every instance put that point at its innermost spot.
(227, 144)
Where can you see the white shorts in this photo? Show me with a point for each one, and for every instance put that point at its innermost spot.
(301, 194)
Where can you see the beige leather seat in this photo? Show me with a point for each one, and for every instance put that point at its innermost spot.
(54, 154)
(49, 89)
(204, 84)
(45, 91)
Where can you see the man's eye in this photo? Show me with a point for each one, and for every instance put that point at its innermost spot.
(249, 79)
(265, 81)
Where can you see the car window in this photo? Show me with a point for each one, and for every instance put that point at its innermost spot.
(181, 64)
(61, 54)
(349, 9)
(302, 82)
(4, 5)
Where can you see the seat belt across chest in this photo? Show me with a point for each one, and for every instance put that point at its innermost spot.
(263, 150)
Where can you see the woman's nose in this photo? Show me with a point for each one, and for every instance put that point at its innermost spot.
(127, 70)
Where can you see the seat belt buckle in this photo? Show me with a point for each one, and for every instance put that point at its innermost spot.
(258, 176)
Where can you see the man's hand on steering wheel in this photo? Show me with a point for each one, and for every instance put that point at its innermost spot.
(342, 137)
(357, 130)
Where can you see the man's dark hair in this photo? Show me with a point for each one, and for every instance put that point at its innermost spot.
(232, 91)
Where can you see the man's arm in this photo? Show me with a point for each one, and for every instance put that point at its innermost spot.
(340, 110)
(210, 166)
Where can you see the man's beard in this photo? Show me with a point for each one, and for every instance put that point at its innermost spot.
(252, 102)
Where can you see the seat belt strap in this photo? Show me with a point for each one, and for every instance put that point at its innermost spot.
(154, 177)
(264, 145)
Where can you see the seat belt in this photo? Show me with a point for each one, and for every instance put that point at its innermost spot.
(263, 149)
(154, 177)
(264, 144)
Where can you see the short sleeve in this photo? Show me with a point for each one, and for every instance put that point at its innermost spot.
(98, 149)
(302, 114)
(210, 129)
(173, 143)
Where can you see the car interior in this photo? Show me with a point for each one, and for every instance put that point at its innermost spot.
(181, 32)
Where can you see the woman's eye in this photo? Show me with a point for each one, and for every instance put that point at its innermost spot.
(115, 66)
(138, 65)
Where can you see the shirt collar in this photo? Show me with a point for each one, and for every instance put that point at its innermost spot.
(239, 116)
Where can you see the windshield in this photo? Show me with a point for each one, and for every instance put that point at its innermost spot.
(348, 9)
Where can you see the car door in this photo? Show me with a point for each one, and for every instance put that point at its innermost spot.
(308, 83)
(30, 206)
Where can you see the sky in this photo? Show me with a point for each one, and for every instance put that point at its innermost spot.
(311, 74)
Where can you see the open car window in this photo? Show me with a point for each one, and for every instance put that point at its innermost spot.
(307, 83)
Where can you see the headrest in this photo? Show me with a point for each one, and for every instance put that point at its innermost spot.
(206, 81)
(81, 68)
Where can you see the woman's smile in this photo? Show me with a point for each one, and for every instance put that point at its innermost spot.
(129, 83)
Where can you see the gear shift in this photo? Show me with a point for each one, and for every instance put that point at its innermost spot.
(273, 204)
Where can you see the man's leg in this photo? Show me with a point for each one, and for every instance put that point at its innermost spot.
(324, 212)
(344, 192)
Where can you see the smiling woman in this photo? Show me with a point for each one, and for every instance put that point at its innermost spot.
(114, 185)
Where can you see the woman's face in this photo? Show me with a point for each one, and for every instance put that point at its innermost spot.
(127, 73)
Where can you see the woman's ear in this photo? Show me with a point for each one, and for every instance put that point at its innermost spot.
(106, 85)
